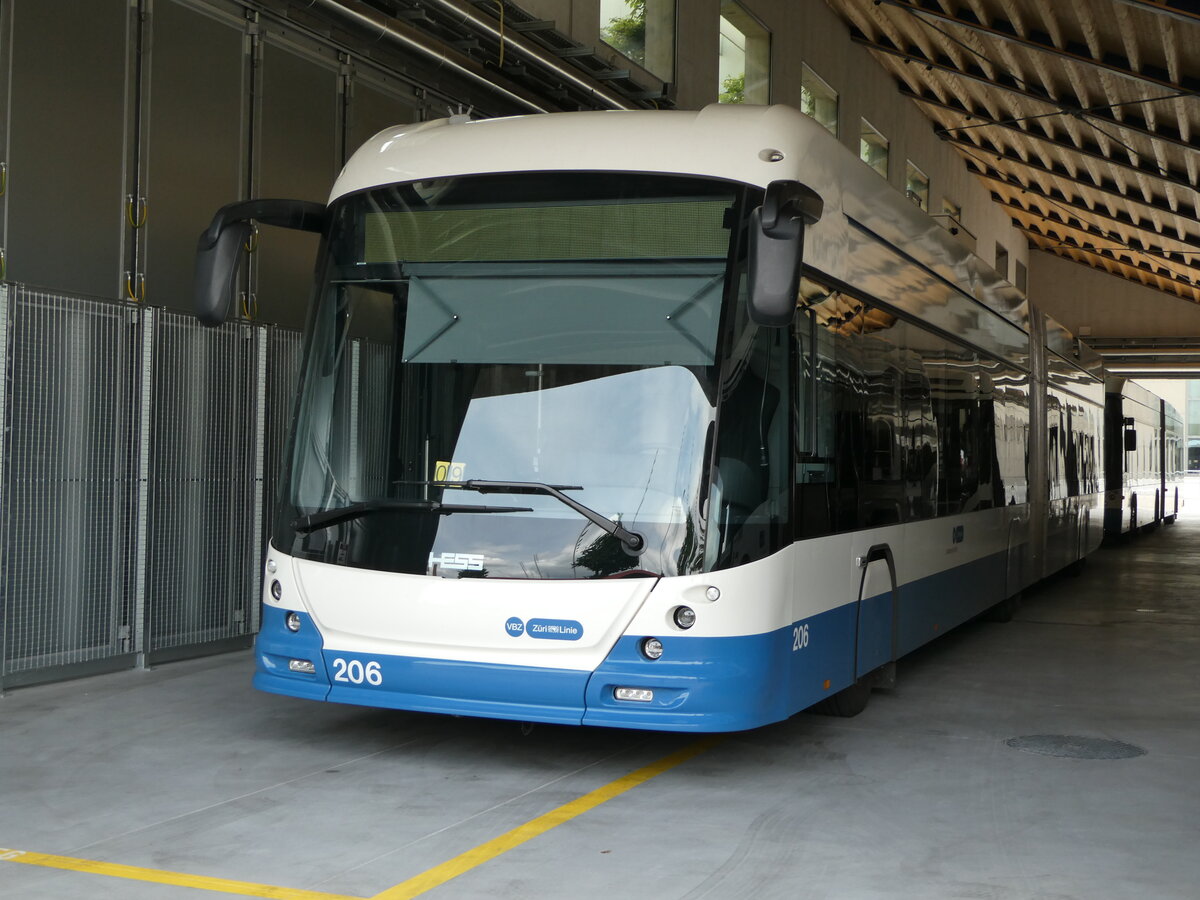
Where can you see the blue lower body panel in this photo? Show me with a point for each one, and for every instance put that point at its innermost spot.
(700, 684)
(524, 693)
(726, 683)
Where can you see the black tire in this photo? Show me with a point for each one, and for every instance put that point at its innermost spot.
(847, 702)
(1004, 610)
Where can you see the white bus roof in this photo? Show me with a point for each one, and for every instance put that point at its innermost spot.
(720, 141)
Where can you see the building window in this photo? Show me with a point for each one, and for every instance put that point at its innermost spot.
(819, 100)
(916, 186)
(1002, 261)
(1022, 281)
(745, 57)
(644, 31)
(873, 148)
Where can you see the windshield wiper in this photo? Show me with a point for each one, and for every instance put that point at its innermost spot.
(631, 540)
(325, 518)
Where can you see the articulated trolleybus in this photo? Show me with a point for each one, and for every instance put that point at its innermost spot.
(662, 420)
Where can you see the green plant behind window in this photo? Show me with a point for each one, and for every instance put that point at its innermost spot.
(733, 89)
(628, 33)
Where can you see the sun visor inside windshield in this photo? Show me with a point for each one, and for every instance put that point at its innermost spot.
(628, 313)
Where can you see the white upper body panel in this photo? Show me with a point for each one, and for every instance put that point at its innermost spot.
(753, 145)
(718, 141)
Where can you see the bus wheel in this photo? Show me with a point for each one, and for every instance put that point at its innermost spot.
(1004, 610)
(846, 702)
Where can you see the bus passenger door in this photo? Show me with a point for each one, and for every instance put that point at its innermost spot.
(877, 620)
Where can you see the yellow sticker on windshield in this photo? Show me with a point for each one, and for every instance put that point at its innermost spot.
(449, 471)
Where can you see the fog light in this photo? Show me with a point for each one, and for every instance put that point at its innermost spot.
(641, 695)
(276, 589)
(271, 566)
(652, 648)
(685, 616)
(293, 621)
(303, 666)
(713, 594)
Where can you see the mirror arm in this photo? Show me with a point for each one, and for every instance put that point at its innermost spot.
(294, 214)
(222, 246)
(786, 204)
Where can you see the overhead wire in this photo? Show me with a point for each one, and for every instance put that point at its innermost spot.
(1081, 115)
(1072, 213)
(1064, 111)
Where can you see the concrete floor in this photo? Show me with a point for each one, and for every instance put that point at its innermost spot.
(187, 769)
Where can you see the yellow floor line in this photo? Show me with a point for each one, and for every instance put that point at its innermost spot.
(415, 886)
(464, 862)
(161, 876)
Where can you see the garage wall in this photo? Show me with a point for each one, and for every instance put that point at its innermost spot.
(138, 452)
(66, 148)
(150, 118)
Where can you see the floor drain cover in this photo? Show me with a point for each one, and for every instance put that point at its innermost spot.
(1074, 747)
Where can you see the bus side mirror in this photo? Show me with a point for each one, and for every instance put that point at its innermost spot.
(222, 247)
(1130, 434)
(777, 250)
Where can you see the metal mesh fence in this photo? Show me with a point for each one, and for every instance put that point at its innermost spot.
(203, 496)
(136, 480)
(67, 519)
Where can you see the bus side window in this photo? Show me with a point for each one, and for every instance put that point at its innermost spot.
(813, 465)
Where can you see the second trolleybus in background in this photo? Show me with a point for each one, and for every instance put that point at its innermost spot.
(1145, 461)
(663, 420)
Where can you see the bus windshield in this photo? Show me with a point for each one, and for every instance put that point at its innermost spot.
(553, 329)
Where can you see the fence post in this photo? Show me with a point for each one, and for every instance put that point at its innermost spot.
(141, 621)
(258, 482)
(5, 389)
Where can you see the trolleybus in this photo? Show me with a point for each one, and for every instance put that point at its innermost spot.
(660, 420)
(1144, 459)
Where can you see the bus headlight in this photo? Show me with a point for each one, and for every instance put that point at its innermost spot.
(652, 648)
(293, 621)
(685, 616)
(276, 589)
(639, 695)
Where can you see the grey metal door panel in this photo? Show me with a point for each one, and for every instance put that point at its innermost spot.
(299, 159)
(196, 141)
(67, 127)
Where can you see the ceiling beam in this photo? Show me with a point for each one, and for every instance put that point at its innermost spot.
(1166, 275)
(1060, 171)
(1168, 176)
(1161, 267)
(1133, 123)
(1132, 346)
(1060, 199)
(1003, 81)
(1180, 10)
(1040, 41)
(1096, 233)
